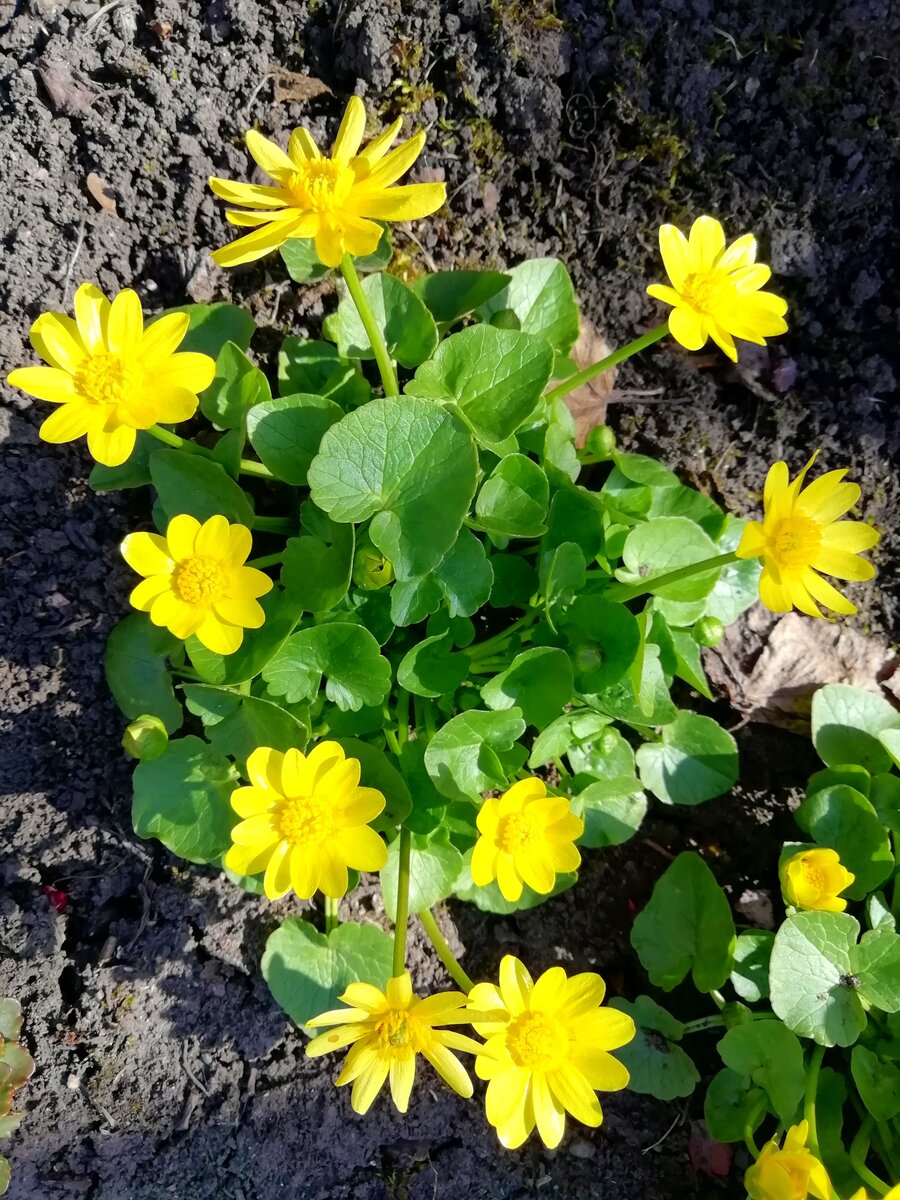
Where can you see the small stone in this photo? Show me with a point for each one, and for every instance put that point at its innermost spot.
(581, 1148)
(756, 906)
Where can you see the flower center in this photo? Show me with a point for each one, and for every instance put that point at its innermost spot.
(515, 832)
(799, 1182)
(321, 186)
(198, 580)
(305, 820)
(398, 1035)
(815, 877)
(537, 1041)
(796, 541)
(707, 291)
(108, 379)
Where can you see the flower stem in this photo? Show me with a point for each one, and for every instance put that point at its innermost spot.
(809, 1097)
(444, 953)
(249, 467)
(265, 560)
(611, 360)
(274, 525)
(485, 649)
(332, 920)
(402, 919)
(168, 438)
(703, 1023)
(859, 1148)
(376, 337)
(623, 592)
(749, 1140)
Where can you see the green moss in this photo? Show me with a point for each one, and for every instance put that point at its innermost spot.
(487, 144)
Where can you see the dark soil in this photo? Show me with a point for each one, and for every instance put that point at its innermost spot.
(164, 1067)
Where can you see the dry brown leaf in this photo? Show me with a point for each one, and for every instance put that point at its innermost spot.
(587, 403)
(292, 86)
(101, 193)
(162, 29)
(69, 91)
(769, 666)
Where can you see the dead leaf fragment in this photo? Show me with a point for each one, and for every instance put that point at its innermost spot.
(587, 403)
(769, 666)
(101, 193)
(69, 91)
(162, 29)
(292, 86)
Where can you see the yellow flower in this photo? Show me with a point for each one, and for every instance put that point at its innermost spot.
(893, 1194)
(109, 375)
(335, 200)
(546, 1051)
(801, 534)
(196, 582)
(715, 291)
(526, 837)
(814, 879)
(305, 821)
(788, 1173)
(386, 1031)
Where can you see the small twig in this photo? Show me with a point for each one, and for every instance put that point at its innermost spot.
(679, 1119)
(190, 1074)
(102, 14)
(267, 78)
(429, 261)
(107, 1117)
(659, 849)
(72, 261)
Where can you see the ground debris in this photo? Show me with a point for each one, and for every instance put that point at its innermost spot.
(70, 92)
(587, 403)
(294, 86)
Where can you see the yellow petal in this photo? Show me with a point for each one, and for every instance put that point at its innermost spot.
(515, 984)
(350, 133)
(304, 872)
(484, 862)
(143, 596)
(822, 590)
(334, 1039)
(181, 534)
(162, 338)
(302, 147)
(246, 613)
(705, 243)
(402, 1075)
(601, 1071)
(741, 253)
(138, 410)
(239, 551)
(602, 1028)
(147, 553)
(247, 860)
(800, 595)
(251, 195)
(536, 870)
(264, 768)
(174, 404)
(333, 878)
(772, 592)
(269, 156)
(375, 151)
(189, 370)
(395, 164)
(256, 244)
(220, 636)
(91, 316)
(362, 807)
(549, 1114)
(213, 539)
(687, 328)
(277, 879)
(250, 801)
(125, 324)
(368, 1085)
(852, 536)
(827, 498)
(172, 613)
(505, 1094)
(365, 996)
(449, 1068)
(517, 1129)
(508, 879)
(111, 447)
(549, 991)
(319, 763)
(573, 1092)
(668, 295)
(399, 991)
(407, 203)
(843, 564)
(363, 849)
(44, 383)
(583, 992)
(673, 246)
(722, 339)
(56, 339)
(753, 541)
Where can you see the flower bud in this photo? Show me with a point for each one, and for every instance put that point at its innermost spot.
(146, 738)
(709, 631)
(601, 442)
(371, 570)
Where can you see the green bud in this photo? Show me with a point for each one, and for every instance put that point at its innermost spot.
(709, 631)
(146, 738)
(371, 570)
(734, 1013)
(601, 442)
(505, 318)
(609, 740)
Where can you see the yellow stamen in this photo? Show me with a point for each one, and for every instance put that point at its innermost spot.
(399, 1035)
(537, 1041)
(796, 541)
(515, 832)
(108, 379)
(305, 820)
(198, 580)
(321, 186)
(707, 291)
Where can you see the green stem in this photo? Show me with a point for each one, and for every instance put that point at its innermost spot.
(718, 997)
(249, 467)
(859, 1148)
(274, 525)
(332, 920)
(168, 438)
(265, 560)
(809, 1097)
(703, 1023)
(486, 648)
(623, 592)
(376, 337)
(402, 919)
(391, 738)
(445, 954)
(611, 360)
(749, 1140)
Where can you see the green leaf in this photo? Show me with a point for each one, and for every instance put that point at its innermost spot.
(657, 1064)
(302, 262)
(428, 805)
(183, 799)
(562, 573)
(465, 577)
(513, 500)
(737, 587)
(449, 295)
(752, 953)
(599, 750)
(843, 819)
(884, 796)
(665, 544)
(556, 740)
(237, 385)
(811, 980)
(286, 433)
(316, 368)
(136, 670)
(878, 1083)
(682, 501)
(462, 757)
(307, 971)
(515, 581)
(409, 466)
(846, 722)
(490, 899)
(134, 472)
(646, 472)
(541, 295)
(890, 739)
(612, 810)
(10, 1019)
(347, 655)
(493, 377)
(576, 515)
(259, 645)
(773, 1058)
(412, 600)
(379, 772)
(878, 912)
(212, 325)
(646, 703)
(189, 483)
(316, 572)
(247, 722)
(431, 668)
(537, 681)
(604, 638)
(730, 1105)
(831, 1098)
(408, 327)
(876, 964)
(434, 866)
(687, 926)
(848, 773)
(695, 760)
